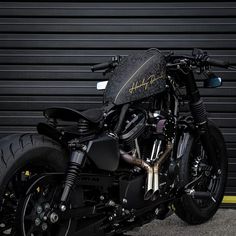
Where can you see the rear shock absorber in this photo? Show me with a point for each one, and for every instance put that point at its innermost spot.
(76, 161)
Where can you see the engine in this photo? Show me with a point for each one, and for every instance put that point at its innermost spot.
(134, 127)
(147, 143)
(142, 131)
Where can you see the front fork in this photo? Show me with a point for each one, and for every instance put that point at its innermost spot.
(199, 114)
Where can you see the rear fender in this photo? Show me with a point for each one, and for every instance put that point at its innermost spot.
(49, 131)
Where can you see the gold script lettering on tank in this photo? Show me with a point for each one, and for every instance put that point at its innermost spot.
(144, 84)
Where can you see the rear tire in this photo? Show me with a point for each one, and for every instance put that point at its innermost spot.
(195, 211)
(19, 154)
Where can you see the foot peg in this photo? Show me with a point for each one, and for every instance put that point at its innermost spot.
(200, 195)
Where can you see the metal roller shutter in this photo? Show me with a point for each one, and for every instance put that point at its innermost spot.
(46, 49)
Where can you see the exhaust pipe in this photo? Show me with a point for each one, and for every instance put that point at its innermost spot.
(155, 182)
(156, 168)
(152, 185)
(144, 165)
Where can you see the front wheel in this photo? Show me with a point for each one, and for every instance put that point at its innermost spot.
(22, 159)
(194, 163)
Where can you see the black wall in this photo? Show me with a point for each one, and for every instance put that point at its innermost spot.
(46, 50)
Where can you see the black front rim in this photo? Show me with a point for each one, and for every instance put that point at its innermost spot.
(211, 181)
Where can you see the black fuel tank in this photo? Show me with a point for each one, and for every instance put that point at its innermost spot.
(136, 77)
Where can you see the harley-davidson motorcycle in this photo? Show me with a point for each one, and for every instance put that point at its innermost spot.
(108, 170)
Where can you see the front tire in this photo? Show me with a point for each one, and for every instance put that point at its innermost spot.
(23, 157)
(196, 211)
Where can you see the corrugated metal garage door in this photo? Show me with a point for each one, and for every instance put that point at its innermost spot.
(46, 50)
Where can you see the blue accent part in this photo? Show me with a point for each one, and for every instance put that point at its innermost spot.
(212, 82)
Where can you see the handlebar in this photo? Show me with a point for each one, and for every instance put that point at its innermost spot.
(200, 59)
(215, 62)
(107, 65)
(102, 66)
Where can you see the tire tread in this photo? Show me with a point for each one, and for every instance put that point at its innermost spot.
(11, 145)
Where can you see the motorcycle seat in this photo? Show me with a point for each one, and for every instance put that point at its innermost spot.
(94, 115)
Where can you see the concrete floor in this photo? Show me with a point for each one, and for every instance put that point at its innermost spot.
(222, 224)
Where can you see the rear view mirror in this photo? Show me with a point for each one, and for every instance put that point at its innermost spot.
(211, 80)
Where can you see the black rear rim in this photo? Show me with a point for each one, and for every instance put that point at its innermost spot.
(10, 201)
(26, 213)
(40, 205)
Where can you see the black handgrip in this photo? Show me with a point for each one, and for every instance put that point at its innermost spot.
(219, 63)
(101, 66)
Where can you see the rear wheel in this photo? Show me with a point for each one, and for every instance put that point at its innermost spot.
(22, 159)
(194, 163)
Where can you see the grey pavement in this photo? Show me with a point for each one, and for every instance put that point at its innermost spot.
(223, 223)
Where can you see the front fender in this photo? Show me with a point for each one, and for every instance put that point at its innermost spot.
(184, 145)
(183, 150)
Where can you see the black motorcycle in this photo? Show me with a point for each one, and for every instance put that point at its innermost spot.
(106, 171)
